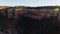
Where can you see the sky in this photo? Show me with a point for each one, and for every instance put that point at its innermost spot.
(29, 2)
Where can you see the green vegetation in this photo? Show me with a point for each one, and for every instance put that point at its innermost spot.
(56, 9)
(38, 7)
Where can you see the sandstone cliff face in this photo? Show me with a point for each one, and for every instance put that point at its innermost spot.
(29, 20)
(39, 13)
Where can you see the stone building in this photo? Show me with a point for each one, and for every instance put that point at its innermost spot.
(10, 12)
